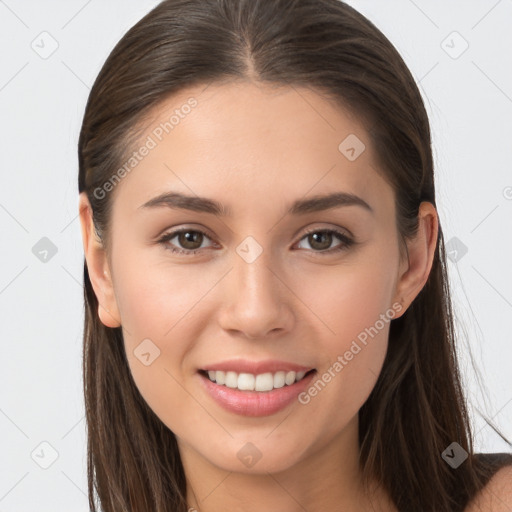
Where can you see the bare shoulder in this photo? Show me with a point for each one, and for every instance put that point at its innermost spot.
(496, 496)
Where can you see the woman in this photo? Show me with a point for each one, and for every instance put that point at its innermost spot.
(268, 321)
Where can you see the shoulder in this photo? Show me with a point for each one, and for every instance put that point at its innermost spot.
(496, 496)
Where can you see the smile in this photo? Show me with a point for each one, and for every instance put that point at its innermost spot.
(249, 382)
(263, 397)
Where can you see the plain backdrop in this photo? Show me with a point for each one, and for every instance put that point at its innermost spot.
(51, 52)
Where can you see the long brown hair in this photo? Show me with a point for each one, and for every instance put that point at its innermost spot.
(417, 407)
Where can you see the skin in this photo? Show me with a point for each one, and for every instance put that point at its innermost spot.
(256, 149)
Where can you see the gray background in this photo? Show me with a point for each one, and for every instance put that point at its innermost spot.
(468, 94)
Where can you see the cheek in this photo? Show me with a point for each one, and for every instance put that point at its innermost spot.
(355, 316)
(351, 305)
(155, 299)
(159, 328)
(346, 299)
(351, 361)
(162, 309)
(154, 307)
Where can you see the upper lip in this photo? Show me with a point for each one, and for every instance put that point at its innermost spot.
(256, 367)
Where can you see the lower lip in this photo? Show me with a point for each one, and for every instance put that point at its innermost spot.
(255, 403)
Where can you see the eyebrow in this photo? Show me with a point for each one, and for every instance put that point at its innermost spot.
(176, 200)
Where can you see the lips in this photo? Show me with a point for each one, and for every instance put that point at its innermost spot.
(253, 403)
(254, 388)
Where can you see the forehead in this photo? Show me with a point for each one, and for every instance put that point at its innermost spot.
(261, 141)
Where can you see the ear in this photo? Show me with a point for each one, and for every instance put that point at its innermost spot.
(97, 265)
(414, 271)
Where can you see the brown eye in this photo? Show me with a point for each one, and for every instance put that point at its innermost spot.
(190, 239)
(320, 240)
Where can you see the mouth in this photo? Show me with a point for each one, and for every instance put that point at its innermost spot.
(261, 382)
(255, 394)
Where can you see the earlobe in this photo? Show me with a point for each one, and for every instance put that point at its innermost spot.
(97, 265)
(421, 252)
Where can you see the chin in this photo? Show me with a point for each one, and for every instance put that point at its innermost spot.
(257, 456)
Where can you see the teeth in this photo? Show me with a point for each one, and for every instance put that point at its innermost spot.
(246, 381)
(264, 382)
(250, 382)
(279, 379)
(300, 375)
(231, 380)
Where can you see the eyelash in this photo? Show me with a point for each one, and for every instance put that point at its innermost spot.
(345, 245)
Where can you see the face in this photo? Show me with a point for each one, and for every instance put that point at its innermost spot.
(262, 288)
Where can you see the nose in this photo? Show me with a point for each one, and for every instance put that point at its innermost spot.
(256, 299)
